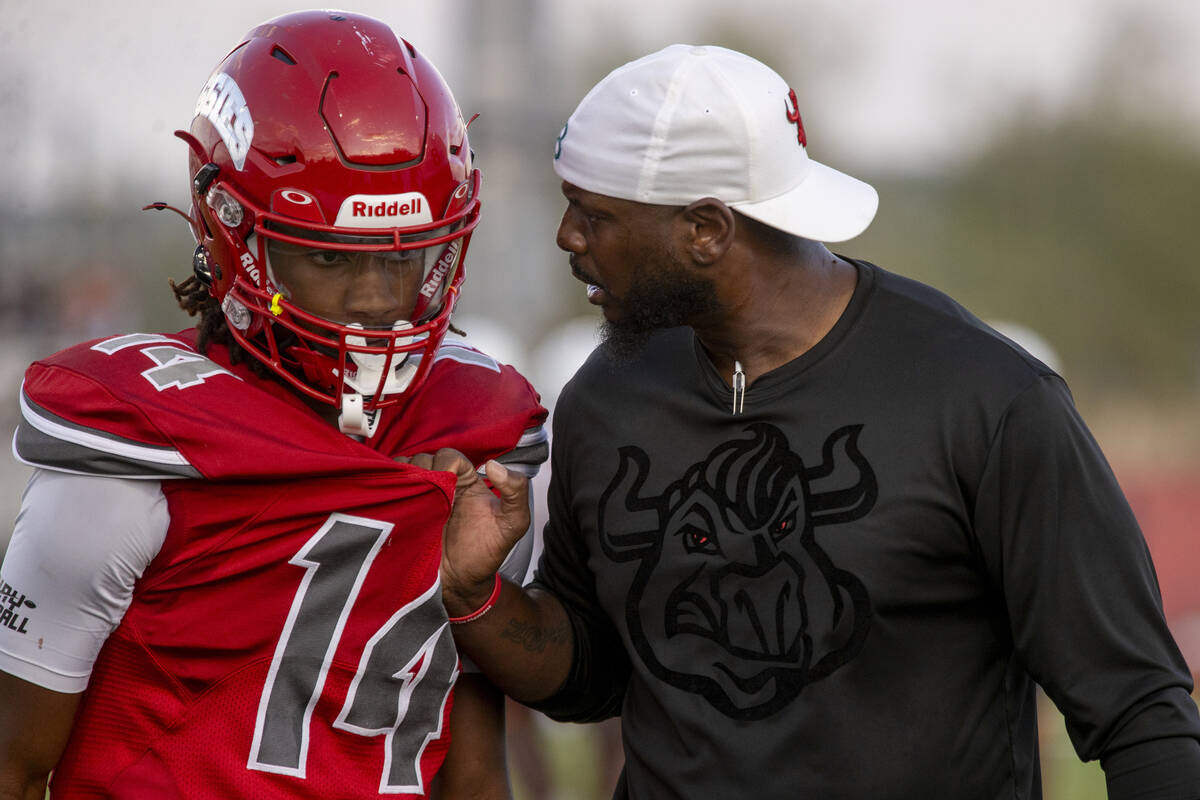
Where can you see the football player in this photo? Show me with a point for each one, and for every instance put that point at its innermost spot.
(224, 578)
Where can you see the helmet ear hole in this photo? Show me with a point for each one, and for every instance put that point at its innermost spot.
(204, 178)
(204, 268)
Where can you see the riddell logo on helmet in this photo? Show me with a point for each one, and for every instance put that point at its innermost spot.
(383, 210)
(251, 268)
(441, 268)
(392, 209)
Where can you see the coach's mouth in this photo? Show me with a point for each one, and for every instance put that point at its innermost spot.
(597, 295)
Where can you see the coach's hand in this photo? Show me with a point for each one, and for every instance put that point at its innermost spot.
(482, 529)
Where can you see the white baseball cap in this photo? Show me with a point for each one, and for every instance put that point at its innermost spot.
(690, 122)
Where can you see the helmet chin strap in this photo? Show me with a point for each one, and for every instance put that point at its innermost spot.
(368, 378)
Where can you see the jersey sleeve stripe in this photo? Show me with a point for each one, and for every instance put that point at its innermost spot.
(528, 470)
(531, 452)
(533, 436)
(44, 439)
(466, 355)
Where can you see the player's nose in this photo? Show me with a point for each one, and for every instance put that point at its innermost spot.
(372, 296)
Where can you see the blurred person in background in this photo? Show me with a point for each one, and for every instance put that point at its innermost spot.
(224, 578)
(814, 529)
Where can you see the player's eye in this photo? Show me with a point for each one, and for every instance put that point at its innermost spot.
(402, 255)
(405, 259)
(326, 258)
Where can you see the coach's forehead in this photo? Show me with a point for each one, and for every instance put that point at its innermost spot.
(615, 205)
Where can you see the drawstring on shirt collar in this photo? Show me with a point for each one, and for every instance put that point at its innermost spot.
(739, 387)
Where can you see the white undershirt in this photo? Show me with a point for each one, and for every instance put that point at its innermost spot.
(79, 545)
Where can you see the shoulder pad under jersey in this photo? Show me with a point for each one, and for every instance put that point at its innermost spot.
(469, 402)
(150, 406)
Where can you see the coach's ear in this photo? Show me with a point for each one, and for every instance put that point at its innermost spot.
(709, 227)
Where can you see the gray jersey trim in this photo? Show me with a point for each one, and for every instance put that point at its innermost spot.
(531, 452)
(44, 439)
(465, 354)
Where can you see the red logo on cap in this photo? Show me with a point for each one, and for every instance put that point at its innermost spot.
(793, 115)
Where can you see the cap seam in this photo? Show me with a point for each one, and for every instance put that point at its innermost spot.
(658, 132)
(752, 138)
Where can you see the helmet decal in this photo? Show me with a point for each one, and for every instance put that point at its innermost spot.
(221, 103)
(296, 198)
(443, 265)
(295, 203)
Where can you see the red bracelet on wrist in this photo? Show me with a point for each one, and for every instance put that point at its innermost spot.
(483, 609)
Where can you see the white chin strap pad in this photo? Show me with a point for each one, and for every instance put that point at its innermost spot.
(369, 367)
(354, 420)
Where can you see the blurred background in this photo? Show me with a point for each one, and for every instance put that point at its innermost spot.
(1038, 161)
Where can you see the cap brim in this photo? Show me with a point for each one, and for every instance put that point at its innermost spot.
(827, 206)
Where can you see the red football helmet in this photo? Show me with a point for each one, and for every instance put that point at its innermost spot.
(324, 129)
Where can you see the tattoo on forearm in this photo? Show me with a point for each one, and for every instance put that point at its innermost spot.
(531, 637)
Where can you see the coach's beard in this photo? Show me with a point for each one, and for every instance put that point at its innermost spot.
(658, 298)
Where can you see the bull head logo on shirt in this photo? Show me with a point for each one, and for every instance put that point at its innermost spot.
(734, 599)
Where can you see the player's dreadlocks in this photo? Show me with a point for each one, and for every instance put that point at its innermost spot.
(195, 298)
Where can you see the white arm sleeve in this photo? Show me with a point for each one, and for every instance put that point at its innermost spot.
(79, 545)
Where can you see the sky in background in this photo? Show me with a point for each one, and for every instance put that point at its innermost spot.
(92, 91)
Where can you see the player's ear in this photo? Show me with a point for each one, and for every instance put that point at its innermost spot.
(709, 230)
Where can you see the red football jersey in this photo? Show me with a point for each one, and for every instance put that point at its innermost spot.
(288, 640)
